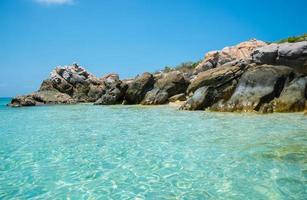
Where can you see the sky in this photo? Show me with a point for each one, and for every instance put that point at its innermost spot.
(129, 36)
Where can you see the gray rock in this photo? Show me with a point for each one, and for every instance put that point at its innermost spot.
(177, 97)
(257, 87)
(138, 88)
(217, 76)
(173, 83)
(201, 99)
(155, 97)
(167, 85)
(41, 98)
(289, 54)
(266, 54)
(293, 96)
(114, 91)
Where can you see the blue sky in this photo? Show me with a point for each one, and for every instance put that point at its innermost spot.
(129, 36)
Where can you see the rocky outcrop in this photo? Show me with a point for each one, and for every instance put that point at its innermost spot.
(138, 88)
(249, 77)
(166, 85)
(217, 58)
(41, 98)
(65, 85)
(288, 54)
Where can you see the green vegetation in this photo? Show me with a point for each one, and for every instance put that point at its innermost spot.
(294, 39)
(183, 67)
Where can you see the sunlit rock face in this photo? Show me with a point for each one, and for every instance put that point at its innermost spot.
(252, 88)
(217, 58)
(289, 54)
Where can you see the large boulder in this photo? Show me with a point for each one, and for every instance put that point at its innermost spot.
(138, 88)
(293, 96)
(257, 87)
(114, 90)
(213, 85)
(217, 76)
(217, 58)
(289, 54)
(167, 85)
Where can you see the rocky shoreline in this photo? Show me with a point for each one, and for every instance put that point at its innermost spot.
(252, 76)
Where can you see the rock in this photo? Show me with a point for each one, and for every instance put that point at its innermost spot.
(266, 54)
(46, 85)
(201, 99)
(66, 78)
(173, 83)
(60, 84)
(138, 88)
(80, 93)
(177, 97)
(217, 76)
(293, 55)
(26, 100)
(41, 98)
(114, 91)
(289, 54)
(214, 86)
(217, 58)
(293, 96)
(74, 81)
(52, 97)
(258, 86)
(111, 79)
(95, 92)
(167, 85)
(155, 97)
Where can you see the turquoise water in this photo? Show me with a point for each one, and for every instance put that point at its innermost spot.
(135, 152)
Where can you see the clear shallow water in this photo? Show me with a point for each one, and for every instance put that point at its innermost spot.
(135, 152)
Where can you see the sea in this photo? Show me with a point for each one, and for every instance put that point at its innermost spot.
(150, 152)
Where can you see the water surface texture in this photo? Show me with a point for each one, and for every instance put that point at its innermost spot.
(138, 152)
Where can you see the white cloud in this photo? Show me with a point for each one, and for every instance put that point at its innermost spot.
(53, 2)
